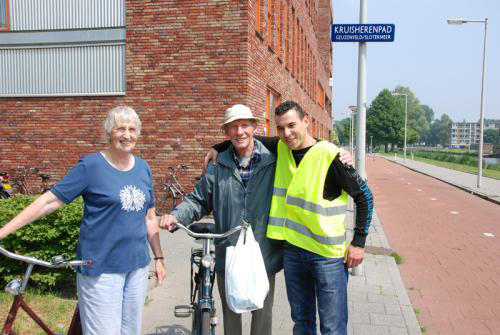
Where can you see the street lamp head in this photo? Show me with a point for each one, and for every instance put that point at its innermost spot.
(456, 21)
(353, 108)
(398, 94)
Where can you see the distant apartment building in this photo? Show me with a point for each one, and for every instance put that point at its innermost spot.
(464, 134)
(65, 63)
(467, 134)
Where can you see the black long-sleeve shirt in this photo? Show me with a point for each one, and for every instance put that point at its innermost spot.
(339, 177)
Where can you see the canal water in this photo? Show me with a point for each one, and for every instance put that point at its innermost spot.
(492, 160)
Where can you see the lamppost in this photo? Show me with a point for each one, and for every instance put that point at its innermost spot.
(481, 121)
(353, 111)
(406, 120)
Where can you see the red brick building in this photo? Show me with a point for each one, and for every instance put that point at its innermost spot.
(184, 63)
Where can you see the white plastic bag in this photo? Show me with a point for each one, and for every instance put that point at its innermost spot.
(246, 279)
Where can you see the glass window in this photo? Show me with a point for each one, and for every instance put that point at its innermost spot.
(3, 14)
(273, 101)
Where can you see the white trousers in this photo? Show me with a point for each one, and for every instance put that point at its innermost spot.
(112, 303)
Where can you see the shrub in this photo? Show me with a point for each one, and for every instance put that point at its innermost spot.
(51, 235)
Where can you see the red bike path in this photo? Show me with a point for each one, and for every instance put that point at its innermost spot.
(450, 242)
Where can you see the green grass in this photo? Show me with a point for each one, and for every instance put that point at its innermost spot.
(459, 167)
(55, 311)
(397, 257)
(453, 166)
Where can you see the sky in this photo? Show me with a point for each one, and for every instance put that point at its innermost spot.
(440, 63)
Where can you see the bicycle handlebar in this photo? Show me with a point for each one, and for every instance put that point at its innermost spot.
(56, 262)
(244, 225)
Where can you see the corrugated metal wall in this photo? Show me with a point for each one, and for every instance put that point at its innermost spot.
(77, 70)
(66, 14)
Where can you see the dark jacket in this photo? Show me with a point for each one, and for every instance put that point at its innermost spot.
(221, 190)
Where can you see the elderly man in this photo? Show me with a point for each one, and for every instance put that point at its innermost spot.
(239, 187)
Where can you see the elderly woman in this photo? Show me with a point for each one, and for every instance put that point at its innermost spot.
(118, 222)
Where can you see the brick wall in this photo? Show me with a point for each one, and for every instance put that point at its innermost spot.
(186, 63)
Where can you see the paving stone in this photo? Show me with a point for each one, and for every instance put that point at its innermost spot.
(387, 320)
(370, 330)
(373, 307)
(382, 298)
(393, 309)
(398, 331)
(357, 317)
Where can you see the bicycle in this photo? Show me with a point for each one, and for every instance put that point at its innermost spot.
(17, 287)
(23, 181)
(171, 189)
(202, 306)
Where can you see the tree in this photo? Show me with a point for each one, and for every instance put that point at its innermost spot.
(334, 138)
(343, 130)
(385, 120)
(491, 136)
(417, 119)
(429, 113)
(440, 131)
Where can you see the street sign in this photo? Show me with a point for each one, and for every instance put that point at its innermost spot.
(378, 32)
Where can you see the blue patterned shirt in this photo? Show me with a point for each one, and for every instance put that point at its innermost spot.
(246, 165)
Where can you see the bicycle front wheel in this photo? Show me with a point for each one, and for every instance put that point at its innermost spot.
(205, 323)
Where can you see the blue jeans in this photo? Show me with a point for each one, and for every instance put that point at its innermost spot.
(311, 279)
(112, 303)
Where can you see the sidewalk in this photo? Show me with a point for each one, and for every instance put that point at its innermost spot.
(378, 301)
(490, 188)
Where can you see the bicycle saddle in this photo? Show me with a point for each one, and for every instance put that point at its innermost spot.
(203, 228)
(44, 176)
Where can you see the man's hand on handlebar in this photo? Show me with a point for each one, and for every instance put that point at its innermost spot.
(168, 222)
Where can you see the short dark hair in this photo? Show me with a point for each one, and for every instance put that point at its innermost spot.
(288, 105)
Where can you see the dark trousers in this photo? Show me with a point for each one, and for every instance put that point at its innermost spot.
(313, 279)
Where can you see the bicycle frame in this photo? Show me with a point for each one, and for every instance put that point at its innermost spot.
(202, 308)
(17, 288)
(172, 188)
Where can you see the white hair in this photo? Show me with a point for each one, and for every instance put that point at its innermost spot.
(122, 113)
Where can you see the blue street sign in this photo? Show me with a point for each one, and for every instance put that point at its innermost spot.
(379, 32)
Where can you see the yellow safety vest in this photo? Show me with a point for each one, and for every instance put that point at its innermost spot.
(299, 213)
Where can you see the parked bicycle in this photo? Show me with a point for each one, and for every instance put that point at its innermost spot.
(5, 185)
(17, 288)
(202, 306)
(172, 189)
(23, 181)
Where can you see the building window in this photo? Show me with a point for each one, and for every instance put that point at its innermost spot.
(286, 33)
(4, 15)
(270, 23)
(320, 96)
(257, 16)
(63, 53)
(297, 51)
(273, 101)
(294, 41)
(278, 28)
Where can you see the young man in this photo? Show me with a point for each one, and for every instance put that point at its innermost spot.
(307, 212)
(239, 187)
